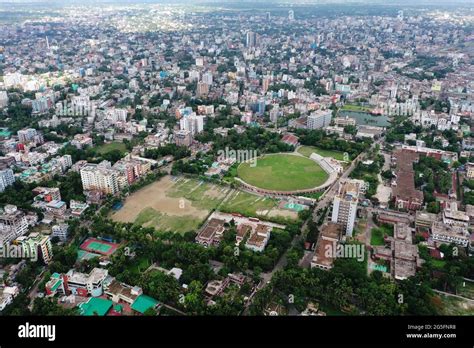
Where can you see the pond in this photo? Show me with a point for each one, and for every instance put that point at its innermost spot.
(366, 119)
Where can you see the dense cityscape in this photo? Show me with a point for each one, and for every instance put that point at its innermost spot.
(236, 159)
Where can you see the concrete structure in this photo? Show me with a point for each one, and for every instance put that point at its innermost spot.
(405, 195)
(319, 119)
(37, 246)
(329, 237)
(61, 231)
(13, 224)
(100, 177)
(7, 178)
(183, 138)
(85, 284)
(345, 204)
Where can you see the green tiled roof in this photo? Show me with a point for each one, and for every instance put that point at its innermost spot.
(95, 306)
(143, 302)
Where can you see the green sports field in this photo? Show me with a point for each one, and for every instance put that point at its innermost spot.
(283, 172)
(103, 149)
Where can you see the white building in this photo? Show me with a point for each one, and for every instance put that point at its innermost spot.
(7, 178)
(7, 294)
(100, 177)
(13, 224)
(192, 123)
(345, 204)
(61, 231)
(448, 234)
(26, 135)
(37, 246)
(259, 238)
(3, 99)
(319, 119)
(83, 284)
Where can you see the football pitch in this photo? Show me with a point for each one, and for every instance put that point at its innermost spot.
(283, 172)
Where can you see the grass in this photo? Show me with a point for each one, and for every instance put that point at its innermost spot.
(455, 306)
(247, 204)
(197, 192)
(140, 265)
(466, 289)
(438, 263)
(378, 233)
(352, 107)
(110, 147)
(283, 173)
(308, 150)
(164, 222)
(164, 212)
(313, 195)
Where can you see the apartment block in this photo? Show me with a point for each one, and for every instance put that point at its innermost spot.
(345, 204)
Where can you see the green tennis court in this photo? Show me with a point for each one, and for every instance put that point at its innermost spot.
(98, 246)
(85, 255)
(95, 245)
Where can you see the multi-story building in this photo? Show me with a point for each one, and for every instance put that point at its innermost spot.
(328, 239)
(84, 284)
(319, 119)
(132, 168)
(470, 170)
(61, 231)
(202, 89)
(192, 123)
(100, 177)
(259, 238)
(77, 207)
(56, 208)
(27, 135)
(13, 224)
(183, 138)
(78, 283)
(251, 39)
(37, 246)
(345, 204)
(46, 194)
(454, 217)
(344, 121)
(81, 141)
(448, 234)
(3, 99)
(6, 178)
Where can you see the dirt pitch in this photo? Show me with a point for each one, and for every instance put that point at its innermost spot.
(168, 197)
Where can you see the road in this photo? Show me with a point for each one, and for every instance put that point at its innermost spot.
(453, 295)
(323, 202)
(327, 198)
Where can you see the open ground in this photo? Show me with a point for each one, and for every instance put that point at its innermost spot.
(308, 150)
(283, 172)
(180, 204)
(171, 204)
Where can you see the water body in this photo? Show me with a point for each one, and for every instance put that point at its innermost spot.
(366, 119)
